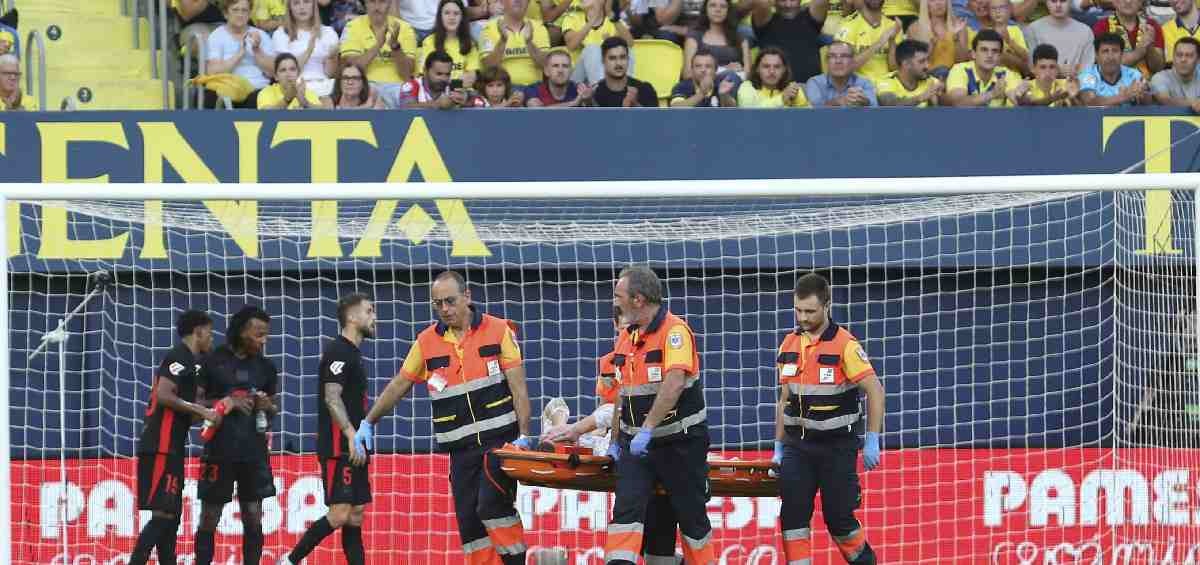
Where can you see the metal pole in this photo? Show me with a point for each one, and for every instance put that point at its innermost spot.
(152, 18)
(32, 39)
(62, 439)
(6, 523)
(133, 16)
(163, 42)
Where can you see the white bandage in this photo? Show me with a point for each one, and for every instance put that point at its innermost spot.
(603, 416)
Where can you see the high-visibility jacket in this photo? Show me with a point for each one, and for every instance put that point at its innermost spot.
(823, 399)
(642, 360)
(471, 398)
(609, 382)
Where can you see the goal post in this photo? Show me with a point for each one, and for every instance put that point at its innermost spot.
(1019, 324)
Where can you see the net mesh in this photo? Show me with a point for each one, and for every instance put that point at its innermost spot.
(1038, 353)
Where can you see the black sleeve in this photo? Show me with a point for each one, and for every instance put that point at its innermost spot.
(271, 383)
(335, 365)
(647, 97)
(203, 379)
(174, 369)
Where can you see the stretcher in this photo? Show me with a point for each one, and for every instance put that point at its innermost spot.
(576, 468)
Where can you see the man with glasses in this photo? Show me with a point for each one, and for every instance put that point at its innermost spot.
(1072, 39)
(840, 87)
(472, 367)
(11, 98)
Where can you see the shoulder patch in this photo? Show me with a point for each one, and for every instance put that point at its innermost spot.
(336, 367)
(176, 368)
(675, 339)
(862, 354)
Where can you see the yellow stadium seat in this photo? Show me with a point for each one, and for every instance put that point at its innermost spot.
(658, 62)
(522, 70)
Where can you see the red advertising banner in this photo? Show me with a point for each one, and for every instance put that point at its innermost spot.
(1004, 507)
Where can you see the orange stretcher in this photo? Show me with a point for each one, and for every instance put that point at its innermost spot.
(576, 468)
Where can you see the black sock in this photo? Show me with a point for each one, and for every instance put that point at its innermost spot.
(166, 543)
(252, 544)
(205, 545)
(352, 545)
(147, 540)
(318, 531)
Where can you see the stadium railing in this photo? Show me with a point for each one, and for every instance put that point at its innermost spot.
(201, 48)
(34, 42)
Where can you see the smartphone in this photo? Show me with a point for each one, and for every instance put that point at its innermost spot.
(456, 84)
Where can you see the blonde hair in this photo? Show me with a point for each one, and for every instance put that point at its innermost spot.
(924, 19)
(292, 27)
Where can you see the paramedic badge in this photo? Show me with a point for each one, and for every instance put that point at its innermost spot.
(862, 354)
(827, 375)
(493, 367)
(675, 340)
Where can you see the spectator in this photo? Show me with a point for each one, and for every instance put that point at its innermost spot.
(289, 91)
(314, 45)
(1015, 55)
(8, 41)
(11, 98)
(717, 33)
(704, 89)
(583, 33)
(1046, 89)
(240, 49)
(341, 12)
(557, 90)
(841, 86)
(946, 34)
(197, 16)
(1072, 39)
(421, 14)
(1177, 86)
(770, 83)
(873, 38)
(385, 46)
(1108, 83)
(452, 35)
(1142, 37)
(351, 91)
(1185, 24)
(514, 35)
(903, 11)
(498, 90)
(982, 82)
(794, 28)
(656, 19)
(910, 84)
(432, 88)
(268, 15)
(618, 89)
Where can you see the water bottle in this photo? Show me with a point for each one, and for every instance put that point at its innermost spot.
(260, 421)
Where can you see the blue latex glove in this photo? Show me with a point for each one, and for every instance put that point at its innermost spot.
(777, 460)
(614, 451)
(526, 442)
(871, 451)
(640, 443)
(364, 438)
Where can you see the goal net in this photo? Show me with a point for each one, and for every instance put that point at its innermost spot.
(1038, 350)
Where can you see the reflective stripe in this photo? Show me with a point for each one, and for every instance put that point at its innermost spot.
(501, 522)
(651, 389)
(792, 420)
(511, 549)
(698, 543)
(621, 555)
(672, 428)
(820, 390)
(832, 423)
(798, 533)
(800, 562)
(848, 537)
(660, 559)
(469, 386)
(473, 546)
(477, 427)
(853, 556)
(625, 529)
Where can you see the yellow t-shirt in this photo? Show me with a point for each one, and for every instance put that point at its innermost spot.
(358, 38)
(1173, 31)
(28, 103)
(414, 369)
(893, 8)
(750, 97)
(269, 9)
(1015, 35)
(576, 21)
(576, 7)
(860, 34)
(272, 95)
(891, 84)
(515, 47)
(462, 63)
(965, 77)
(1036, 92)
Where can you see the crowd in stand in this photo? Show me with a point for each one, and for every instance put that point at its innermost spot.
(299, 54)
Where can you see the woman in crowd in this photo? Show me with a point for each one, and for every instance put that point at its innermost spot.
(351, 91)
(240, 49)
(717, 33)
(289, 91)
(944, 33)
(452, 35)
(498, 90)
(314, 45)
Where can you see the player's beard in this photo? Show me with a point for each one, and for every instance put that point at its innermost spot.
(368, 331)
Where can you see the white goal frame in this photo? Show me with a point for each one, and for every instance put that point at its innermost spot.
(913, 186)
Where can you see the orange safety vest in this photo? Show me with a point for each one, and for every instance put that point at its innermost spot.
(474, 402)
(638, 358)
(609, 382)
(822, 402)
